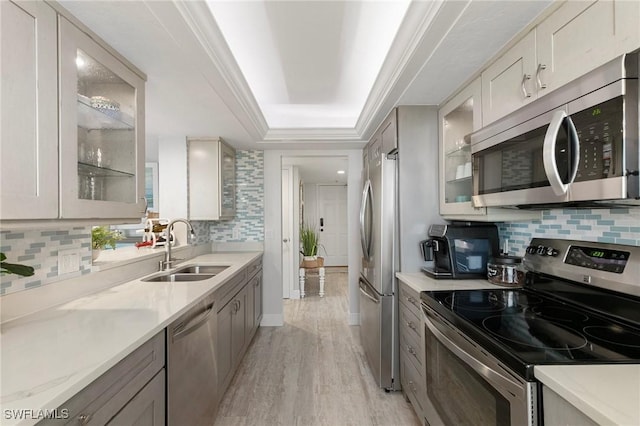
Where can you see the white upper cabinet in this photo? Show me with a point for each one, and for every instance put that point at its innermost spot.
(102, 131)
(211, 175)
(72, 121)
(29, 127)
(582, 35)
(507, 84)
(576, 38)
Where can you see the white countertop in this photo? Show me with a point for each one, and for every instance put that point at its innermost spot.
(48, 357)
(608, 394)
(422, 282)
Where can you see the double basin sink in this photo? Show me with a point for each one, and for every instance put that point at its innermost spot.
(188, 273)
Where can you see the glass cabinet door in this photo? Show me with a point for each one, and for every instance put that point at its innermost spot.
(102, 148)
(458, 119)
(228, 181)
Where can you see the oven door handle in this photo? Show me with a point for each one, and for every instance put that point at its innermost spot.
(504, 385)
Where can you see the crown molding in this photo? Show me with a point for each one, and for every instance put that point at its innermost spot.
(416, 23)
(314, 134)
(201, 22)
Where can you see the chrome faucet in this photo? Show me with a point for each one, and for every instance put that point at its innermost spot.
(166, 263)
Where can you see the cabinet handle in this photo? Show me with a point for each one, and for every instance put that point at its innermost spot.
(411, 300)
(411, 350)
(412, 385)
(411, 325)
(146, 205)
(83, 419)
(541, 67)
(524, 88)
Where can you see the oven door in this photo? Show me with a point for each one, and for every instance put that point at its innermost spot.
(467, 386)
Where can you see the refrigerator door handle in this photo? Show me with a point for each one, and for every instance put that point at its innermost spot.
(364, 291)
(365, 234)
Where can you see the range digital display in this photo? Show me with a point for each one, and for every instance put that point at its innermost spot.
(598, 258)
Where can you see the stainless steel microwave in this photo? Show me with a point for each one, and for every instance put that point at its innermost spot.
(577, 145)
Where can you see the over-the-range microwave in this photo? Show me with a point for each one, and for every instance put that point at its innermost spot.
(577, 145)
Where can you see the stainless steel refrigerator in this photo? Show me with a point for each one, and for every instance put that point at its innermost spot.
(399, 202)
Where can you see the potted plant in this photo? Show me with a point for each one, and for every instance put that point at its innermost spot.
(14, 268)
(309, 247)
(101, 237)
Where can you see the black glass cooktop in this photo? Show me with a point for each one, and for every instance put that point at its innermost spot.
(525, 327)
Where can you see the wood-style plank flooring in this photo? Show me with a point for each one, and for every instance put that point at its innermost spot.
(311, 371)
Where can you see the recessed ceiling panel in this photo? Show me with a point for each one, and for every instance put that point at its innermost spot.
(309, 64)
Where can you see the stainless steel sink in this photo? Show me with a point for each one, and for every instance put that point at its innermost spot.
(178, 277)
(201, 269)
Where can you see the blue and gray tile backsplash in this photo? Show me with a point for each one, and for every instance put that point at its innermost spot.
(248, 225)
(39, 249)
(619, 226)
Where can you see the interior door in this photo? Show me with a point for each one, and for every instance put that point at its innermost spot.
(332, 214)
(287, 232)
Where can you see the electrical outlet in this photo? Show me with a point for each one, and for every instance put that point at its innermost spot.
(236, 233)
(68, 261)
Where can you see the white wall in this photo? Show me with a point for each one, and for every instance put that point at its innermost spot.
(172, 170)
(272, 260)
(172, 182)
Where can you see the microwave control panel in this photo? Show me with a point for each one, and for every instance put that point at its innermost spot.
(599, 130)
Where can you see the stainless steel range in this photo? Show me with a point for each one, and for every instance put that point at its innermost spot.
(580, 305)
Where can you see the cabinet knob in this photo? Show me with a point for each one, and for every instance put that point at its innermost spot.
(410, 299)
(411, 325)
(411, 350)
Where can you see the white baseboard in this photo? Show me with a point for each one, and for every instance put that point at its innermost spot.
(272, 320)
(354, 319)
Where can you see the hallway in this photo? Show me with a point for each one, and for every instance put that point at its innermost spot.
(311, 371)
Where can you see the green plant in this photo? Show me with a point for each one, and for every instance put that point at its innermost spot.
(14, 268)
(309, 240)
(102, 236)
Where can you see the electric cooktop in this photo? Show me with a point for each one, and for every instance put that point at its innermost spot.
(550, 320)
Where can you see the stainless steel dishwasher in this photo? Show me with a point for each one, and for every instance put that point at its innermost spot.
(191, 367)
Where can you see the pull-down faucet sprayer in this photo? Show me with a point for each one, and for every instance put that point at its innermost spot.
(168, 261)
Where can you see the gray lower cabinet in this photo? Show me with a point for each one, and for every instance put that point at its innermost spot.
(130, 393)
(558, 411)
(238, 317)
(146, 408)
(412, 353)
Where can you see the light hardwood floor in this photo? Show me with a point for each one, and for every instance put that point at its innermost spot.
(311, 371)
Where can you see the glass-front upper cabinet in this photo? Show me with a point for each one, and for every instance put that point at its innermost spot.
(458, 119)
(228, 180)
(102, 131)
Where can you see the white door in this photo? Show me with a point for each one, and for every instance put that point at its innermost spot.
(332, 223)
(286, 232)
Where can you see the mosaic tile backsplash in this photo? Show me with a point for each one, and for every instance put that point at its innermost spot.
(39, 249)
(248, 225)
(619, 226)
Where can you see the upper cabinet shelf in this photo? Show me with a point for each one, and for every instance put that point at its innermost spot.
(91, 118)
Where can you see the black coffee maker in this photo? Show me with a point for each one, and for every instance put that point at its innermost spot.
(460, 250)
